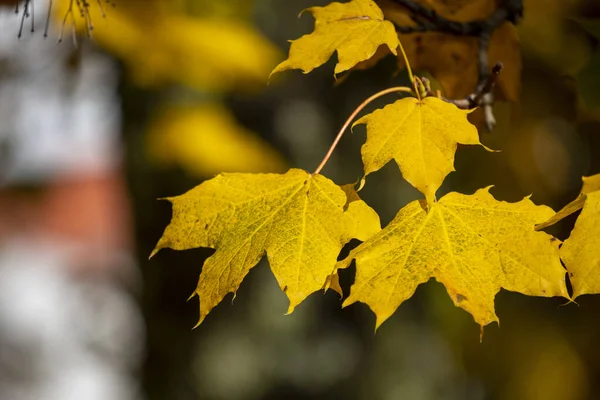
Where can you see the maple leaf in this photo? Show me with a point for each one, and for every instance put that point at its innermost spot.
(300, 221)
(355, 30)
(580, 251)
(473, 244)
(421, 135)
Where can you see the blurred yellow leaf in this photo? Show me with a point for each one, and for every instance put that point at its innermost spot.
(547, 35)
(354, 29)
(228, 9)
(163, 46)
(473, 244)
(545, 363)
(206, 140)
(297, 219)
(421, 136)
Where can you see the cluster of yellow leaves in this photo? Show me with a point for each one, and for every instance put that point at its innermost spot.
(215, 52)
(473, 244)
(160, 44)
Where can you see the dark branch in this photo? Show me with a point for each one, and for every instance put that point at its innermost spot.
(481, 97)
(427, 19)
(430, 20)
(477, 98)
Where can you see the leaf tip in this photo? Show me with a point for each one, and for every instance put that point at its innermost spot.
(282, 66)
(339, 68)
(292, 305)
(379, 319)
(156, 250)
(361, 121)
(347, 302)
(198, 323)
(290, 309)
(488, 149)
(363, 180)
(309, 9)
(195, 293)
(394, 49)
(487, 189)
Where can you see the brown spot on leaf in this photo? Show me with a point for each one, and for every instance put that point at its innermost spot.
(460, 298)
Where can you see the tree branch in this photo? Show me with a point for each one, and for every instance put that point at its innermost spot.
(482, 97)
(427, 19)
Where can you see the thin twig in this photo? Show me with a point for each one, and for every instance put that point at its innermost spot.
(477, 98)
(482, 97)
(32, 17)
(25, 15)
(48, 20)
(83, 6)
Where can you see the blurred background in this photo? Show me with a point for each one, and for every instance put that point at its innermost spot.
(166, 94)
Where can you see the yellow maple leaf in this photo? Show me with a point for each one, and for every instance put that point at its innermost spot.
(354, 29)
(421, 135)
(473, 244)
(206, 140)
(581, 251)
(297, 219)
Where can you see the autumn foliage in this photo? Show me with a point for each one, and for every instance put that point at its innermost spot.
(473, 244)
